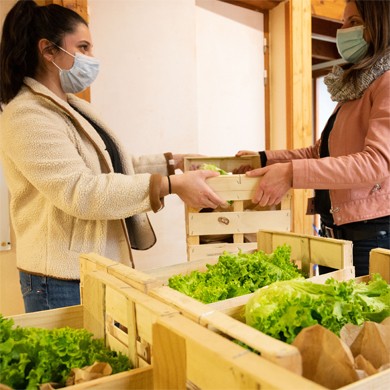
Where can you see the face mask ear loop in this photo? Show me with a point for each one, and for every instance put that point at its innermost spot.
(56, 65)
(61, 48)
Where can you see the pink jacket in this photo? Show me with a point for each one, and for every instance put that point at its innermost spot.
(357, 173)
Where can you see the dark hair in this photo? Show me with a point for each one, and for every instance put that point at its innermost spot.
(25, 24)
(376, 18)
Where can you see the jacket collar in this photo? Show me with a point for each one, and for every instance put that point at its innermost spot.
(80, 123)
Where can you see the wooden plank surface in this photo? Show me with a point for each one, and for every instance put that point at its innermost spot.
(140, 378)
(329, 9)
(186, 351)
(380, 262)
(307, 248)
(49, 319)
(213, 251)
(238, 222)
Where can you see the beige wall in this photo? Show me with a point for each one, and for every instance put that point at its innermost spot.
(11, 301)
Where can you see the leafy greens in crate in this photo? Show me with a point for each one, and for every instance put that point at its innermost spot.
(32, 356)
(237, 274)
(283, 309)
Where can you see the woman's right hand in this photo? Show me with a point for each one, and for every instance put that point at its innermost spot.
(193, 190)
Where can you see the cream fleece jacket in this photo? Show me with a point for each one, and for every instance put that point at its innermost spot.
(65, 198)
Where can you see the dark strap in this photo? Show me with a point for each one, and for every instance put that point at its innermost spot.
(322, 202)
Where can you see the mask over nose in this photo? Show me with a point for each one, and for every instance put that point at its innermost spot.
(351, 44)
(81, 75)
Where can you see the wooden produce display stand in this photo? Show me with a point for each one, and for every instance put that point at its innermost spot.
(222, 316)
(210, 233)
(191, 358)
(107, 301)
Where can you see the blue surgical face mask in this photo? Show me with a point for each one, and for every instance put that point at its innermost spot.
(351, 44)
(81, 75)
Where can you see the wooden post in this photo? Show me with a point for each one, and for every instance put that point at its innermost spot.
(299, 97)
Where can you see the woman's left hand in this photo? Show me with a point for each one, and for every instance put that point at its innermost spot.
(179, 160)
(276, 180)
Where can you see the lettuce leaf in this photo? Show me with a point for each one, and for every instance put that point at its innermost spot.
(237, 274)
(283, 309)
(212, 167)
(31, 356)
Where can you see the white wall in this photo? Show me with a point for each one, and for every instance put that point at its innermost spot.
(324, 106)
(182, 76)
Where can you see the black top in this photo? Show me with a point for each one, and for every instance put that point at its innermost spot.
(322, 202)
(115, 159)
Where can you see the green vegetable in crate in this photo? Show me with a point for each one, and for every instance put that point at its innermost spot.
(212, 167)
(283, 309)
(237, 274)
(31, 356)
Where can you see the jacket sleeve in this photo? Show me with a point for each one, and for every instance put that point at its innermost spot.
(281, 156)
(358, 145)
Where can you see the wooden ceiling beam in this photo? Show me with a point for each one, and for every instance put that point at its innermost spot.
(329, 9)
(255, 5)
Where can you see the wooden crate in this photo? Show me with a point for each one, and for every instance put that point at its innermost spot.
(208, 234)
(139, 280)
(107, 301)
(225, 318)
(222, 316)
(305, 250)
(189, 356)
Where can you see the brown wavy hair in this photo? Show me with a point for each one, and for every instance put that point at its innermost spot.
(376, 18)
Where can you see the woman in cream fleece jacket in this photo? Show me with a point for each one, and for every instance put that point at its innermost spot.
(73, 189)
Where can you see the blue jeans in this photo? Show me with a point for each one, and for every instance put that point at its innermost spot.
(44, 293)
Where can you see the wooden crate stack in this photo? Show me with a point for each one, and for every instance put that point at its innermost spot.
(106, 302)
(178, 343)
(222, 316)
(208, 233)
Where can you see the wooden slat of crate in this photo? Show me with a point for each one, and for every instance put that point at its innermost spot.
(237, 222)
(186, 352)
(227, 163)
(213, 251)
(139, 280)
(380, 262)
(71, 316)
(140, 378)
(107, 300)
(206, 315)
(234, 187)
(309, 249)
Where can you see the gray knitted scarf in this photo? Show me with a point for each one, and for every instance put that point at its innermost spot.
(342, 91)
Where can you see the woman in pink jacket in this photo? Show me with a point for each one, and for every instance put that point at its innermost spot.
(349, 167)
(73, 188)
